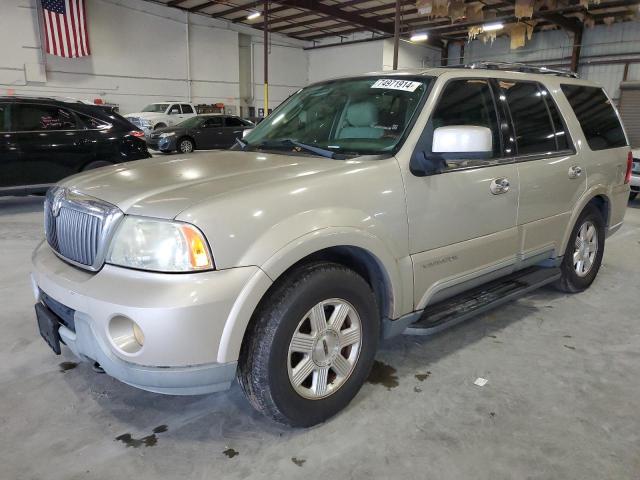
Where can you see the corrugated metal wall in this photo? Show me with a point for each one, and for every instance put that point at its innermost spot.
(615, 42)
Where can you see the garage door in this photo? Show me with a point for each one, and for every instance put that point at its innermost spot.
(630, 110)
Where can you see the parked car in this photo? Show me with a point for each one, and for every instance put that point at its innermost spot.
(160, 115)
(199, 132)
(44, 140)
(635, 175)
(361, 208)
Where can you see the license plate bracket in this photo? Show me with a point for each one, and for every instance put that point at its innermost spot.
(48, 325)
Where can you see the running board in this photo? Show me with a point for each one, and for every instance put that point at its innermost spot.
(479, 300)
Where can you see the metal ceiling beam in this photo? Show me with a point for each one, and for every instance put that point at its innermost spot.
(174, 3)
(202, 6)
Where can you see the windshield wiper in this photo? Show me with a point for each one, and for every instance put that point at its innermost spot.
(287, 141)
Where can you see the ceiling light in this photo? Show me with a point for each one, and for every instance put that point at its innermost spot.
(253, 15)
(491, 27)
(419, 37)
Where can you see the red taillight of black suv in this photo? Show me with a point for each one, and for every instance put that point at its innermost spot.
(627, 176)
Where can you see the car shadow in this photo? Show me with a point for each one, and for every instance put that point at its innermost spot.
(16, 205)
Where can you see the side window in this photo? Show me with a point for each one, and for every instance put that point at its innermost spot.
(212, 122)
(29, 117)
(186, 108)
(4, 117)
(596, 115)
(93, 123)
(532, 124)
(175, 110)
(233, 122)
(562, 136)
(467, 102)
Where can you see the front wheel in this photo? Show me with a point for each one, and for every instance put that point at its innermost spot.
(185, 145)
(584, 252)
(311, 345)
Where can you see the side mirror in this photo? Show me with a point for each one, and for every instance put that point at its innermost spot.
(467, 140)
(246, 132)
(452, 143)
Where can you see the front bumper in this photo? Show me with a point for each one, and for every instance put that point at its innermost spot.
(164, 144)
(182, 317)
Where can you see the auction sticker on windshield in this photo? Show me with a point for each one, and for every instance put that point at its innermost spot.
(394, 84)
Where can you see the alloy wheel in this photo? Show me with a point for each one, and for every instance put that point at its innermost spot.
(586, 248)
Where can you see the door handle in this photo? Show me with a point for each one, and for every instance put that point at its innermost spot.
(500, 185)
(575, 171)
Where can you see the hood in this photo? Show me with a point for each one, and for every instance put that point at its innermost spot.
(145, 114)
(163, 187)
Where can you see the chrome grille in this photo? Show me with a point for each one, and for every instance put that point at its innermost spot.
(78, 227)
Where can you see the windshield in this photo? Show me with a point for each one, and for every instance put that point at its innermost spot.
(192, 122)
(156, 108)
(357, 116)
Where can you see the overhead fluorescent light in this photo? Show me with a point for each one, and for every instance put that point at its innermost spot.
(492, 27)
(419, 37)
(253, 15)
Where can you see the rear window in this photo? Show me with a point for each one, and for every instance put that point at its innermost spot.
(596, 115)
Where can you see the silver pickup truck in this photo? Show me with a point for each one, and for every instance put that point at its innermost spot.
(362, 208)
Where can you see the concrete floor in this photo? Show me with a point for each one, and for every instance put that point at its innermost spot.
(562, 402)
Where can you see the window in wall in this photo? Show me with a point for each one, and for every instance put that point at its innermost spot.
(467, 102)
(533, 127)
(596, 115)
(28, 117)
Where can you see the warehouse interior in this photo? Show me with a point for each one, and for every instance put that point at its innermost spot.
(562, 369)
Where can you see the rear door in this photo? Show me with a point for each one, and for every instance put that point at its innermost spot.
(187, 110)
(552, 176)
(11, 174)
(53, 142)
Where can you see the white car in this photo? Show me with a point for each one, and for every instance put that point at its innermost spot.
(160, 115)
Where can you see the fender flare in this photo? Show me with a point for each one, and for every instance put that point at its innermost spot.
(589, 194)
(296, 250)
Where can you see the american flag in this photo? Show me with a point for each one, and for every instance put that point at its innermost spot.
(65, 28)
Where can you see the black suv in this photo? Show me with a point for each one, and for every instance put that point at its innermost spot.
(43, 140)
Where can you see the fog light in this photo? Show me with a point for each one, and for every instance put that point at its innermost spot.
(126, 334)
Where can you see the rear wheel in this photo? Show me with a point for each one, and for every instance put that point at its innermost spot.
(311, 345)
(584, 252)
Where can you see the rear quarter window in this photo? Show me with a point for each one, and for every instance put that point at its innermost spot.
(596, 115)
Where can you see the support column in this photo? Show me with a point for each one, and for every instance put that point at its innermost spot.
(575, 51)
(396, 36)
(266, 57)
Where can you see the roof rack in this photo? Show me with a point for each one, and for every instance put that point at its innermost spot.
(520, 67)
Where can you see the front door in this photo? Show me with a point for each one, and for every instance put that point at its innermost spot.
(211, 133)
(462, 229)
(233, 128)
(53, 142)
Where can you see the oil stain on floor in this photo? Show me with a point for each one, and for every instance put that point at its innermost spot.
(422, 376)
(230, 452)
(298, 461)
(383, 374)
(148, 441)
(64, 366)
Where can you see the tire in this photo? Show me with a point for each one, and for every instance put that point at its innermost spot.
(632, 196)
(269, 360)
(577, 277)
(97, 164)
(185, 145)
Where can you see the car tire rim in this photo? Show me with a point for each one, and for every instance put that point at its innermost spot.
(324, 349)
(586, 248)
(185, 146)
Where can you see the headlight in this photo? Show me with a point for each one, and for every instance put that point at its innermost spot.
(159, 245)
(146, 123)
(168, 134)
